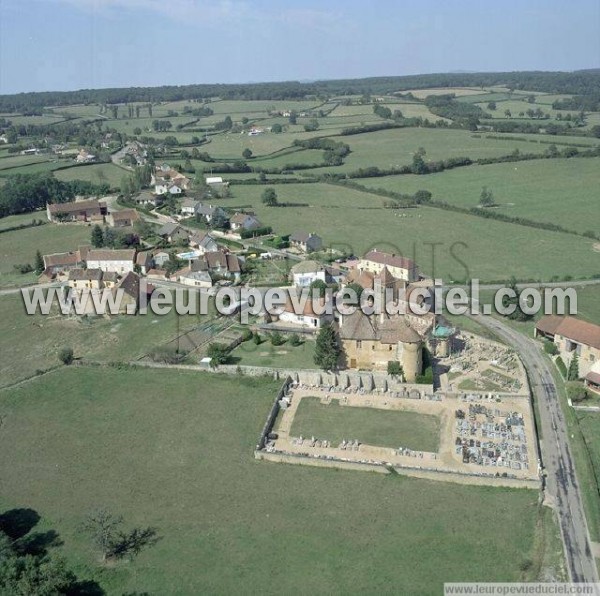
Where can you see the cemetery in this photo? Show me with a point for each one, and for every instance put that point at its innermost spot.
(481, 437)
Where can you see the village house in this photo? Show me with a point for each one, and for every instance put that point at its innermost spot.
(160, 258)
(168, 180)
(85, 279)
(218, 264)
(400, 267)
(123, 219)
(84, 156)
(57, 263)
(144, 262)
(244, 222)
(79, 211)
(304, 273)
(209, 212)
(197, 279)
(312, 314)
(130, 288)
(572, 337)
(171, 232)
(189, 207)
(306, 242)
(120, 261)
(145, 198)
(203, 243)
(109, 279)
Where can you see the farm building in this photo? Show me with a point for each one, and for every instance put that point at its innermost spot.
(79, 211)
(572, 337)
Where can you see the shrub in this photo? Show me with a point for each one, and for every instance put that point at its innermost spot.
(166, 355)
(295, 340)
(550, 348)
(247, 335)
(561, 367)
(394, 368)
(257, 339)
(277, 338)
(65, 355)
(219, 353)
(577, 392)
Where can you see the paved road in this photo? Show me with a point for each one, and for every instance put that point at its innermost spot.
(562, 488)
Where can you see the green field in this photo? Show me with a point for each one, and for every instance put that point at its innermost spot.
(180, 451)
(562, 191)
(96, 173)
(469, 246)
(382, 428)
(19, 246)
(396, 147)
(31, 342)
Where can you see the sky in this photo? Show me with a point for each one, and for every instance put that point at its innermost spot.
(51, 45)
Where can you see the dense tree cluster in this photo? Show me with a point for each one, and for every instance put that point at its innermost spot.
(23, 193)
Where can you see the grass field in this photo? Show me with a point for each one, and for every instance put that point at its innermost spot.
(180, 451)
(470, 246)
(383, 428)
(396, 147)
(96, 173)
(30, 343)
(19, 246)
(555, 191)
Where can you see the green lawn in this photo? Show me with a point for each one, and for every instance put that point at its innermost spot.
(383, 428)
(562, 191)
(180, 451)
(266, 354)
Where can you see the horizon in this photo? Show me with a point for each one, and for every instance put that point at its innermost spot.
(111, 44)
(306, 81)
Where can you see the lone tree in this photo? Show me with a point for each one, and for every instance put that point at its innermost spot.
(65, 355)
(486, 198)
(103, 528)
(269, 197)
(97, 238)
(39, 262)
(573, 373)
(327, 350)
(247, 153)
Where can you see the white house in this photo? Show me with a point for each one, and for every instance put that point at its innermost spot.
(197, 279)
(244, 221)
(189, 207)
(120, 261)
(309, 314)
(305, 272)
(203, 243)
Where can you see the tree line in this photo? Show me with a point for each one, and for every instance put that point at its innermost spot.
(583, 82)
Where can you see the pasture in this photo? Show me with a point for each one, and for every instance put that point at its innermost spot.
(97, 173)
(396, 147)
(31, 342)
(463, 246)
(551, 190)
(382, 428)
(19, 246)
(180, 446)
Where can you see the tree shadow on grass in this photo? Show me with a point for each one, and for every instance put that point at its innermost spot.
(16, 523)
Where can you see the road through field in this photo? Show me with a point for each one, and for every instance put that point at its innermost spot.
(562, 488)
